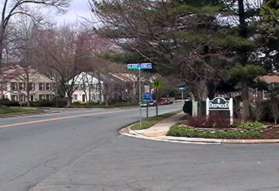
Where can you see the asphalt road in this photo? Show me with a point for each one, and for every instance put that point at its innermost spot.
(82, 151)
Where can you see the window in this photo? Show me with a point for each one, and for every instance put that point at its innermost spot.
(22, 98)
(31, 86)
(13, 86)
(41, 86)
(21, 86)
(75, 97)
(47, 86)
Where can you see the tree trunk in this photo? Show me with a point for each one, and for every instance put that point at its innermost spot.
(69, 101)
(199, 93)
(27, 90)
(106, 94)
(200, 90)
(26, 80)
(242, 17)
(245, 101)
(275, 109)
(1, 52)
(100, 88)
(1, 47)
(259, 106)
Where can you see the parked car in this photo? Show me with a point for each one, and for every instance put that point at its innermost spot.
(165, 101)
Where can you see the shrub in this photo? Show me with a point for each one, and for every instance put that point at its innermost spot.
(43, 103)
(60, 102)
(215, 120)
(86, 105)
(180, 131)
(251, 126)
(7, 102)
(56, 102)
(187, 107)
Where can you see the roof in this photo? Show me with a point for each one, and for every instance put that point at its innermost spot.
(270, 78)
(14, 72)
(85, 78)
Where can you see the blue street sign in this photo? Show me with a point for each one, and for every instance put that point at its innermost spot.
(146, 66)
(133, 67)
(140, 66)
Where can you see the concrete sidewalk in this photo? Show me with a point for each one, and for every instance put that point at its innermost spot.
(161, 128)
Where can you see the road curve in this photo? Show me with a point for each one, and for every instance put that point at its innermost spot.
(34, 147)
(82, 151)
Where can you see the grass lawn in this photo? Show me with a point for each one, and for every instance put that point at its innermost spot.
(13, 111)
(147, 123)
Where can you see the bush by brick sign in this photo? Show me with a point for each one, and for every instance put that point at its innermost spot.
(220, 104)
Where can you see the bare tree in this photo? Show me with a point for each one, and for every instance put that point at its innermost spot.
(13, 8)
(59, 48)
(25, 44)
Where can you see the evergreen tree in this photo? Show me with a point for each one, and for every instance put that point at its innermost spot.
(182, 38)
(268, 38)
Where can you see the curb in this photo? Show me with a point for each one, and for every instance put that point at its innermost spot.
(133, 133)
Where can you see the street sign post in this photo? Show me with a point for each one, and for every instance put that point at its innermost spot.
(139, 67)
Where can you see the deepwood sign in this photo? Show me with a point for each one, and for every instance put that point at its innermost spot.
(220, 104)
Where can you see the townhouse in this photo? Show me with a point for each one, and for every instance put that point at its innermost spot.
(20, 84)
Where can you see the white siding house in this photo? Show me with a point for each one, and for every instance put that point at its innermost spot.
(15, 80)
(87, 89)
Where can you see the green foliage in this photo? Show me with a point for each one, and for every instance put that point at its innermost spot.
(209, 10)
(268, 33)
(180, 131)
(10, 111)
(234, 42)
(185, 37)
(251, 126)
(270, 15)
(7, 102)
(123, 58)
(246, 73)
(226, 41)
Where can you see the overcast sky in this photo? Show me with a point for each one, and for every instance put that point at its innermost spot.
(76, 12)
